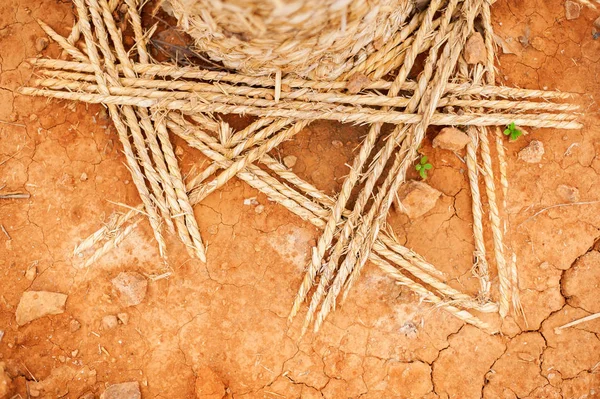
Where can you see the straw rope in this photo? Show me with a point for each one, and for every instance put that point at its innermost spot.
(141, 98)
(175, 72)
(381, 160)
(136, 173)
(249, 95)
(361, 246)
(350, 115)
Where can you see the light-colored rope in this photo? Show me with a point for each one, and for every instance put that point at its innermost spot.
(136, 173)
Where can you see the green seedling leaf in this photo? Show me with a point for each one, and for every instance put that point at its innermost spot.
(423, 166)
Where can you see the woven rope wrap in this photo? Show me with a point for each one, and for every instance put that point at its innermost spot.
(320, 39)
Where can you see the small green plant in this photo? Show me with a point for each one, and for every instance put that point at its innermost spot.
(512, 131)
(423, 166)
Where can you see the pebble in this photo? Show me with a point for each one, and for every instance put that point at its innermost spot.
(125, 390)
(533, 152)
(41, 44)
(475, 52)
(450, 138)
(290, 161)
(572, 10)
(132, 287)
(83, 177)
(5, 381)
(109, 322)
(37, 304)
(357, 82)
(75, 352)
(74, 325)
(178, 151)
(567, 193)
(123, 318)
(259, 209)
(31, 273)
(337, 144)
(417, 198)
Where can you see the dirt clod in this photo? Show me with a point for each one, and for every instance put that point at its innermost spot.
(417, 198)
(572, 10)
(132, 287)
(109, 322)
(290, 161)
(36, 304)
(452, 139)
(357, 82)
(31, 272)
(125, 390)
(567, 193)
(533, 153)
(41, 44)
(74, 325)
(123, 318)
(474, 51)
(5, 381)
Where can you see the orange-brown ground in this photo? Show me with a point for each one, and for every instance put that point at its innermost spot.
(220, 328)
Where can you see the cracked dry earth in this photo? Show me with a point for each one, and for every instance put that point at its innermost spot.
(219, 330)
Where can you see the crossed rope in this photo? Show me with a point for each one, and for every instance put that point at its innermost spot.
(147, 100)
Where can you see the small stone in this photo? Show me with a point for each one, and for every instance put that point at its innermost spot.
(83, 177)
(178, 151)
(417, 198)
(109, 322)
(290, 161)
(74, 325)
(88, 395)
(572, 10)
(475, 52)
(33, 117)
(132, 286)
(123, 318)
(533, 152)
(357, 82)
(450, 138)
(62, 359)
(250, 201)
(36, 304)
(337, 144)
(41, 44)
(409, 329)
(259, 209)
(5, 381)
(567, 193)
(75, 353)
(125, 390)
(34, 393)
(31, 273)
